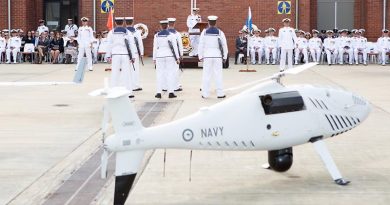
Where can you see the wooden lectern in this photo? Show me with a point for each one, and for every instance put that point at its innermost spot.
(200, 26)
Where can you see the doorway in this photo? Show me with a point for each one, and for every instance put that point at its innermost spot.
(337, 14)
(57, 13)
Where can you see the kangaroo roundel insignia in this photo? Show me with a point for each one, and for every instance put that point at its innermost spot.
(188, 135)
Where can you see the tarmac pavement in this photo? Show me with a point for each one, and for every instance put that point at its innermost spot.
(47, 133)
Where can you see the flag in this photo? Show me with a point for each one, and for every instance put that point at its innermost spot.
(249, 20)
(110, 21)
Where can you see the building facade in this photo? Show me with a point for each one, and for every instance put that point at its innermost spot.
(305, 14)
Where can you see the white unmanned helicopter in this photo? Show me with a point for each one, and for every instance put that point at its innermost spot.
(273, 117)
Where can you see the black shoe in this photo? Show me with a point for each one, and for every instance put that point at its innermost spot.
(179, 89)
(164, 90)
(172, 95)
(220, 97)
(203, 97)
(138, 89)
(235, 63)
(131, 96)
(158, 95)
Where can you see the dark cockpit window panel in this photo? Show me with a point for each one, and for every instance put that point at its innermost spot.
(276, 103)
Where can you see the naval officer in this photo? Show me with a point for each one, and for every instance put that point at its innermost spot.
(212, 51)
(118, 53)
(179, 44)
(166, 57)
(139, 52)
(70, 28)
(42, 28)
(85, 40)
(192, 20)
(287, 41)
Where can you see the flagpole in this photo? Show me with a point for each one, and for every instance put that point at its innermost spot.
(249, 27)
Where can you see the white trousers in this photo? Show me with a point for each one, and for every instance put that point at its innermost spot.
(95, 52)
(341, 55)
(259, 52)
(166, 73)
(304, 52)
(383, 53)
(268, 51)
(331, 57)
(135, 73)
(120, 73)
(88, 52)
(289, 53)
(315, 54)
(212, 67)
(356, 52)
(194, 39)
(14, 54)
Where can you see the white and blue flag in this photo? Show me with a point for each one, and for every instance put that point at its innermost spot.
(249, 20)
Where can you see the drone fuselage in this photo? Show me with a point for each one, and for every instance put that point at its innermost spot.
(267, 117)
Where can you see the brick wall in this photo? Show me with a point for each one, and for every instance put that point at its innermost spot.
(368, 14)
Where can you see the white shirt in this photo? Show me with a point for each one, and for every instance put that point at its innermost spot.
(116, 42)
(256, 42)
(287, 38)
(359, 42)
(70, 29)
(14, 42)
(179, 41)
(209, 46)
(330, 44)
(3, 44)
(383, 43)
(315, 43)
(342, 42)
(161, 48)
(302, 43)
(192, 20)
(103, 45)
(271, 42)
(138, 37)
(42, 29)
(85, 36)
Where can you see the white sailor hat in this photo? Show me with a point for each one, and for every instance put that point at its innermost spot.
(14, 31)
(195, 9)
(357, 31)
(307, 34)
(84, 19)
(266, 31)
(344, 31)
(286, 20)
(119, 19)
(20, 31)
(362, 30)
(104, 32)
(5, 30)
(315, 31)
(171, 19)
(164, 22)
(70, 19)
(129, 18)
(271, 30)
(329, 31)
(41, 21)
(301, 31)
(212, 18)
(257, 30)
(353, 30)
(385, 31)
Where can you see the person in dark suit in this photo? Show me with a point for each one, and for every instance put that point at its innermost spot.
(241, 46)
(56, 47)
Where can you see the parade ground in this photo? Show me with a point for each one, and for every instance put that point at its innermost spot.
(50, 144)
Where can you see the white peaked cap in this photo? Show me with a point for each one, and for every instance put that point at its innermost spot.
(212, 18)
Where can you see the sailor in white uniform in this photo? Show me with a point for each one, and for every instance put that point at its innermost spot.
(256, 45)
(179, 44)
(359, 44)
(315, 46)
(85, 40)
(331, 49)
(139, 52)
(287, 42)
(166, 57)
(103, 45)
(345, 46)
(13, 46)
(383, 45)
(42, 28)
(119, 43)
(192, 20)
(212, 51)
(302, 46)
(70, 28)
(271, 46)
